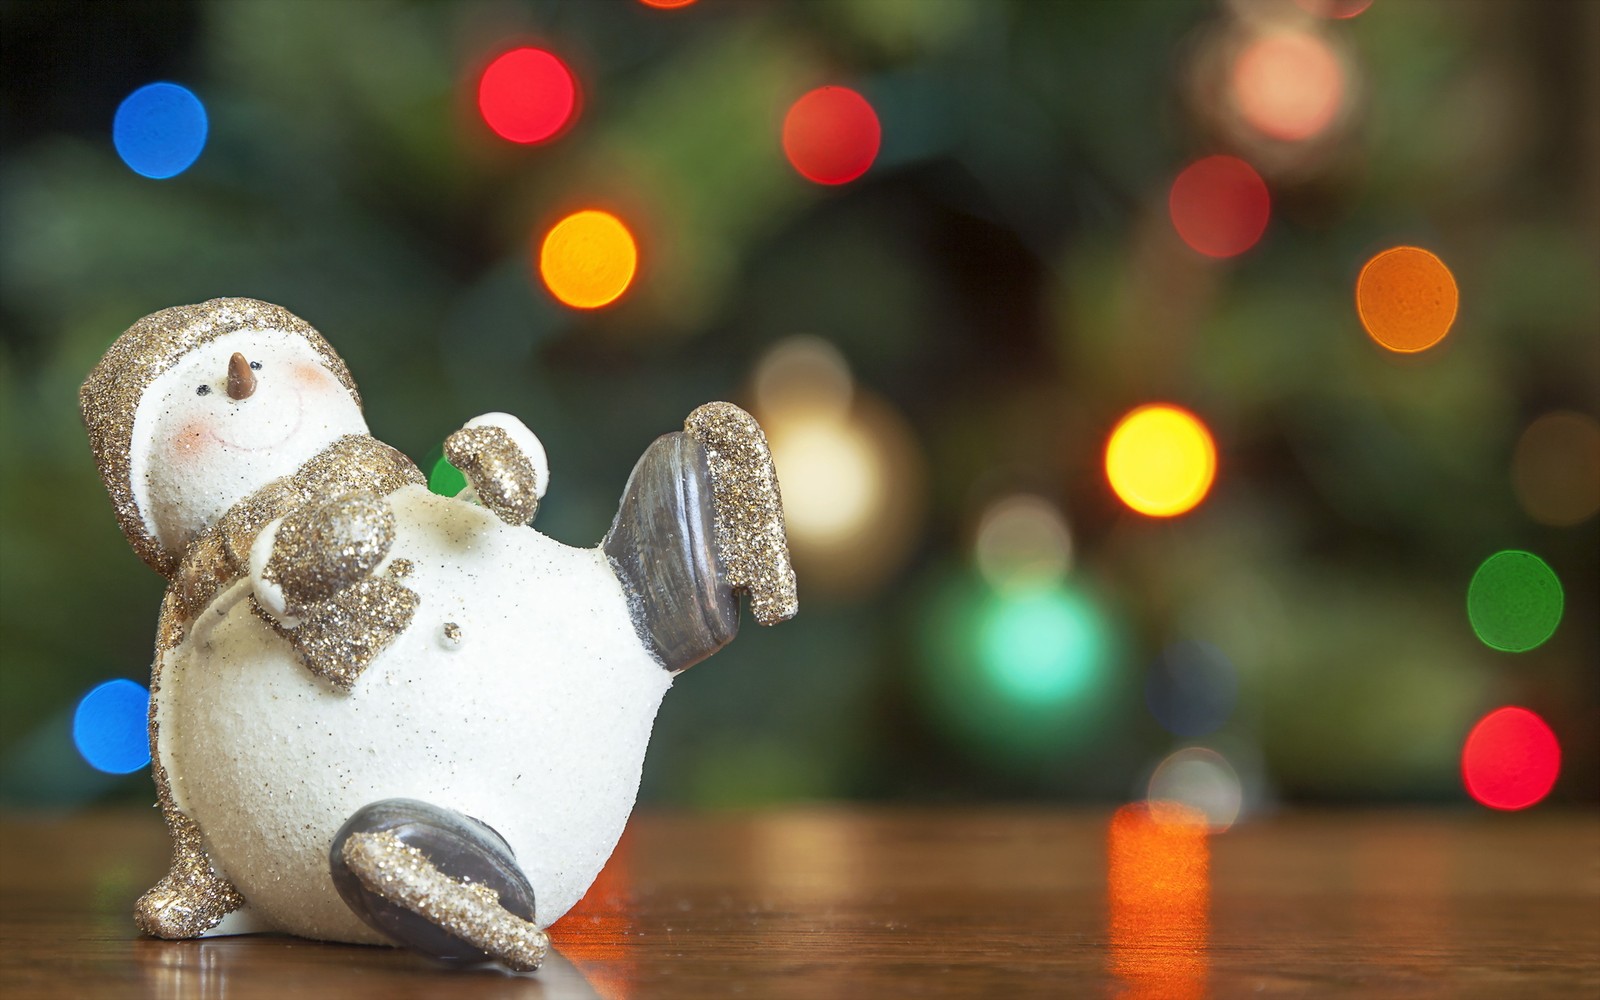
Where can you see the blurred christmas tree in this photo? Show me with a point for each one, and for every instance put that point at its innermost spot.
(941, 283)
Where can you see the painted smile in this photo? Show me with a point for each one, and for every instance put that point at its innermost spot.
(299, 416)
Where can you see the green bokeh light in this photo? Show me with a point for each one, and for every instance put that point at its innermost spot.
(1020, 674)
(1041, 645)
(1514, 601)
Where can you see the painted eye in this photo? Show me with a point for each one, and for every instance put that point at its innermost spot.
(204, 390)
(256, 365)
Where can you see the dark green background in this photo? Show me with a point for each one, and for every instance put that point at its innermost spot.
(975, 279)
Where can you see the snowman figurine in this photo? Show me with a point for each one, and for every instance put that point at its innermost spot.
(382, 715)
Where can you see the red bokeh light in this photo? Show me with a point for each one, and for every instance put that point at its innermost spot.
(1511, 759)
(1220, 206)
(831, 135)
(527, 95)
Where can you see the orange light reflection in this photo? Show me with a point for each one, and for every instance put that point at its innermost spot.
(594, 934)
(1159, 890)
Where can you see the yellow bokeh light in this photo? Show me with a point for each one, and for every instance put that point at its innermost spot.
(1161, 460)
(831, 475)
(588, 259)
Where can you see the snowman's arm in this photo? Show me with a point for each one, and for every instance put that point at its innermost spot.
(318, 551)
(504, 463)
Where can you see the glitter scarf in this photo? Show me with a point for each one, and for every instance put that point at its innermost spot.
(222, 553)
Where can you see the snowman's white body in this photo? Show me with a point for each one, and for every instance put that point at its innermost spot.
(535, 721)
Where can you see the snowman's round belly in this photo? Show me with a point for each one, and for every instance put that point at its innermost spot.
(519, 694)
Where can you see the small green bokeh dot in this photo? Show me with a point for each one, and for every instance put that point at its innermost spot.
(1514, 601)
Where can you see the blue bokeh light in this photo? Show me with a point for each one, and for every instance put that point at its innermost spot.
(110, 727)
(1191, 689)
(159, 130)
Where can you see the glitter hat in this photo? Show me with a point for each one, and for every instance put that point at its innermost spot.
(110, 395)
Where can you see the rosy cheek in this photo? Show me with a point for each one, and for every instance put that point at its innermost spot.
(312, 378)
(190, 443)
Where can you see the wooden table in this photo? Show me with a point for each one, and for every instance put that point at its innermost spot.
(844, 902)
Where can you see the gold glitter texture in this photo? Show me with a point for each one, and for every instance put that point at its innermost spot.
(404, 876)
(339, 638)
(192, 898)
(110, 395)
(747, 509)
(502, 476)
(324, 548)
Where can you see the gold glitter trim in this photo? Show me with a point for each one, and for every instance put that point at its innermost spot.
(326, 548)
(215, 559)
(192, 898)
(110, 395)
(502, 476)
(403, 875)
(747, 510)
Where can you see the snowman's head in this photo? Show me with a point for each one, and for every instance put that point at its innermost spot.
(197, 407)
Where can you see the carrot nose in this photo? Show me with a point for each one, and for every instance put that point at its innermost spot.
(241, 380)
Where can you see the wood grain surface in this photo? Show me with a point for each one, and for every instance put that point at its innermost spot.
(871, 903)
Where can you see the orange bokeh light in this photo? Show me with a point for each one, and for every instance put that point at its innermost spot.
(1288, 85)
(1158, 881)
(1407, 299)
(1161, 460)
(588, 259)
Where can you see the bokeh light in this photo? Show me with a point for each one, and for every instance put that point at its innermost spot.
(1288, 85)
(1514, 601)
(1406, 298)
(1040, 645)
(1337, 9)
(666, 4)
(1511, 759)
(527, 95)
(1022, 540)
(830, 477)
(1020, 674)
(831, 135)
(160, 130)
(1160, 460)
(1555, 469)
(1201, 780)
(1158, 888)
(588, 259)
(110, 727)
(1191, 689)
(849, 468)
(803, 375)
(1219, 206)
